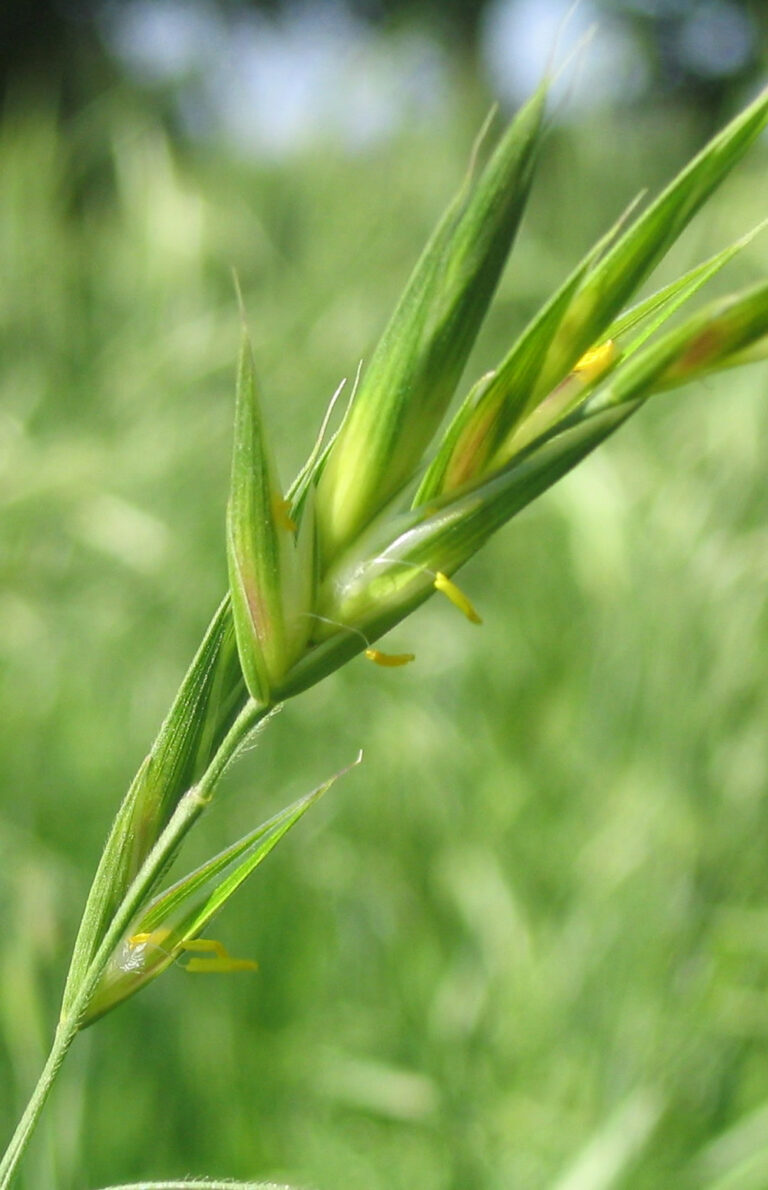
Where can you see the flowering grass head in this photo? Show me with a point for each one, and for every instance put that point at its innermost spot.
(382, 516)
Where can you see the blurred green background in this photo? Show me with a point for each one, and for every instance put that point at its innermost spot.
(525, 944)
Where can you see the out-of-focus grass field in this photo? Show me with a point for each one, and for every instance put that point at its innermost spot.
(524, 945)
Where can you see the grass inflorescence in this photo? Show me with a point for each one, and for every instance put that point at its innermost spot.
(384, 513)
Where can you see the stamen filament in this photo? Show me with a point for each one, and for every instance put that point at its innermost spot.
(456, 596)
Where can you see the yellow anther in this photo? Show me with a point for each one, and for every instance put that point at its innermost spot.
(389, 660)
(220, 966)
(282, 513)
(208, 945)
(597, 360)
(156, 938)
(456, 596)
(221, 963)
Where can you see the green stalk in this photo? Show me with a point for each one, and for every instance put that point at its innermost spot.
(197, 1184)
(63, 1038)
(189, 809)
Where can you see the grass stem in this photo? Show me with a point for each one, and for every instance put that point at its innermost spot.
(189, 809)
(63, 1038)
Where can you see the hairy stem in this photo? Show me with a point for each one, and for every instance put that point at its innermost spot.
(65, 1035)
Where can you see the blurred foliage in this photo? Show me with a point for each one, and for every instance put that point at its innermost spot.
(526, 944)
(64, 40)
(674, 35)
